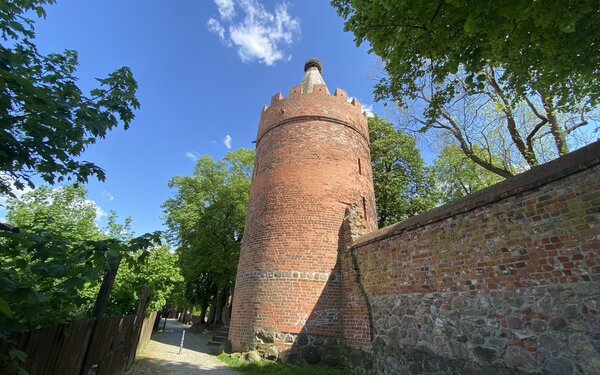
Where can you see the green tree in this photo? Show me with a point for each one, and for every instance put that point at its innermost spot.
(403, 184)
(502, 133)
(159, 272)
(206, 220)
(548, 44)
(63, 212)
(46, 122)
(457, 176)
(493, 75)
(52, 263)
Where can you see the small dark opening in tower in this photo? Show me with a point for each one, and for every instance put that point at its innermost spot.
(364, 207)
(359, 167)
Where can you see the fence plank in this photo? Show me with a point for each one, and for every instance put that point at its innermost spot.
(101, 343)
(42, 348)
(121, 351)
(110, 343)
(76, 337)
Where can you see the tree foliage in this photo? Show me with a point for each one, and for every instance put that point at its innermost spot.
(458, 176)
(403, 184)
(502, 133)
(46, 121)
(518, 81)
(159, 272)
(63, 212)
(55, 256)
(206, 219)
(549, 45)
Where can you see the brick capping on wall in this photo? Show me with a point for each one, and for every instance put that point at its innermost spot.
(576, 161)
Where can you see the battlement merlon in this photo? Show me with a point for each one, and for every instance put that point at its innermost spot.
(319, 89)
(318, 105)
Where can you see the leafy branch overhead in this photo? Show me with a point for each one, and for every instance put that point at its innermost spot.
(512, 84)
(550, 45)
(46, 121)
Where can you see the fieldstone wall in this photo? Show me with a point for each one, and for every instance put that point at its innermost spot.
(546, 329)
(505, 281)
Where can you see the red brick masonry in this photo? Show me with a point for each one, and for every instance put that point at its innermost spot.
(312, 162)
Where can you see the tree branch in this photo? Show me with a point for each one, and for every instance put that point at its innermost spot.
(535, 111)
(530, 138)
(511, 124)
(558, 135)
(437, 11)
(468, 150)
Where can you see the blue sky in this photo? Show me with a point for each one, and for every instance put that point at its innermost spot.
(204, 70)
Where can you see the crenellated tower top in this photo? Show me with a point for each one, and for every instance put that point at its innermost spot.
(312, 99)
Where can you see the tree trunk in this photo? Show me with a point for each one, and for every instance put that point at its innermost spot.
(203, 314)
(110, 273)
(211, 314)
(226, 315)
(221, 300)
(557, 133)
(504, 103)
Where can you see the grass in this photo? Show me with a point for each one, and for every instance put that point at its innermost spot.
(266, 367)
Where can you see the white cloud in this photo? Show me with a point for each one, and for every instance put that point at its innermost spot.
(226, 8)
(368, 108)
(193, 156)
(227, 141)
(107, 195)
(215, 27)
(260, 35)
(100, 213)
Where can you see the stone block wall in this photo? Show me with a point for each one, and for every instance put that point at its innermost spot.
(505, 280)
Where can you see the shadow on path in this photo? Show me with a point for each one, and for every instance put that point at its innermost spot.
(161, 355)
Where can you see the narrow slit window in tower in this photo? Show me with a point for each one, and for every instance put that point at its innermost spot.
(359, 167)
(364, 207)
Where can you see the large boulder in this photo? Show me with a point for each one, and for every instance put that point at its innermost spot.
(251, 356)
(271, 353)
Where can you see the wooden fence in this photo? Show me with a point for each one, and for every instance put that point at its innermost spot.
(99, 346)
(146, 332)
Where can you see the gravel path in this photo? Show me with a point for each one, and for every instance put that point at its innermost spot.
(161, 355)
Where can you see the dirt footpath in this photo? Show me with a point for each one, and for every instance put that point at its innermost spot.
(161, 355)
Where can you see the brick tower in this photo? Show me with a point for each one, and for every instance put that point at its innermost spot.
(312, 163)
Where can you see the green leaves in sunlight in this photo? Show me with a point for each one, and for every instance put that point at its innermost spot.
(51, 267)
(404, 185)
(547, 43)
(46, 121)
(205, 219)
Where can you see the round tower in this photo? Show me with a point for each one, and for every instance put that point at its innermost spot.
(312, 162)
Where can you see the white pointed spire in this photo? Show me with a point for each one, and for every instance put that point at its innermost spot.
(312, 75)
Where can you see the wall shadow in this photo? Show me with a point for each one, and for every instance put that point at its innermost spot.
(340, 323)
